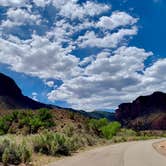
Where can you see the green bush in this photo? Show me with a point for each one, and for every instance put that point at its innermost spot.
(44, 114)
(32, 120)
(43, 118)
(53, 144)
(110, 130)
(5, 123)
(103, 127)
(96, 125)
(12, 153)
(35, 123)
(127, 132)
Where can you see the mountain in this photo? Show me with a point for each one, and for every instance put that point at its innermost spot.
(146, 112)
(102, 114)
(11, 97)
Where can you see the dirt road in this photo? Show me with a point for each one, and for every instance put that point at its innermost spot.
(139, 153)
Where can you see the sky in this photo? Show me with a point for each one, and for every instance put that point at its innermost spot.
(84, 54)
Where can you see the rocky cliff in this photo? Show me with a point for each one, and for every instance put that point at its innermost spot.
(146, 112)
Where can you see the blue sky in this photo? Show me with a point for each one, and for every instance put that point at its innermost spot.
(84, 54)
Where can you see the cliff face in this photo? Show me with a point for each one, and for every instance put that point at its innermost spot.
(146, 112)
(11, 96)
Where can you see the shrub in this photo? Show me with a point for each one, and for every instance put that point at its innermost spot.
(12, 153)
(53, 144)
(43, 118)
(15, 115)
(44, 114)
(90, 141)
(118, 139)
(110, 130)
(127, 132)
(5, 123)
(79, 141)
(72, 115)
(5, 156)
(25, 152)
(69, 130)
(96, 125)
(30, 120)
(35, 123)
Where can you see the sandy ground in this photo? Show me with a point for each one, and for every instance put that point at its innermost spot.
(140, 153)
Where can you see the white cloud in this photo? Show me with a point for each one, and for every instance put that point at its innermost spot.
(41, 3)
(157, 70)
(90, 39)
(39, 57)
(17, 17)
(34, 96)
(86, 61)
(50, 84)
(13, 3)
(117, 19)
(88, 8)
(124, 61)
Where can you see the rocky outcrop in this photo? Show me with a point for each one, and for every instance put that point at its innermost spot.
(144, 111)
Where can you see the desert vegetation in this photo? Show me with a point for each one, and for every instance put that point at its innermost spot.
(104, 128)
(27, 136)
(27, 122)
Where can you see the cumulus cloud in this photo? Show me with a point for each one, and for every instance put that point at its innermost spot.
(106, 76)
(39, 57)
(90, 39)
(117, 19)
(66, 8)
(157, 70)
(17, 17)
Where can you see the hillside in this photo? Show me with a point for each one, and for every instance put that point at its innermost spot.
(146, 112)
(11, 96)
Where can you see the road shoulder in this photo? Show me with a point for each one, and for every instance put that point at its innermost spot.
(160, 147)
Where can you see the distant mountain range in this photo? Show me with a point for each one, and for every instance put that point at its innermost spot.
(11, 97)
(144, 113)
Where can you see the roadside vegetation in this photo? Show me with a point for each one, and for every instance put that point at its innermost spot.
(28, 136)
